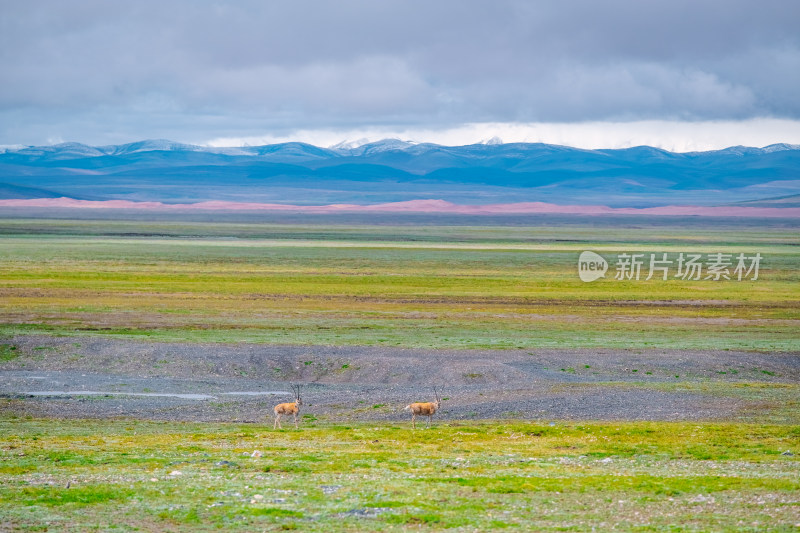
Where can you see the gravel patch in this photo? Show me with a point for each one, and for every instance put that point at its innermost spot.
(90, 377)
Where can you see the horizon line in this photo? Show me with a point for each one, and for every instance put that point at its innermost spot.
(419, 206)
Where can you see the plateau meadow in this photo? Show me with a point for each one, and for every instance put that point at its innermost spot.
(429, 285)
(401, 281)
(134, 475)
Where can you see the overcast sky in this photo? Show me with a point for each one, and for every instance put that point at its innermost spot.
(677, 74)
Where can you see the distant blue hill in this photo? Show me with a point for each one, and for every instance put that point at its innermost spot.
(392, 170)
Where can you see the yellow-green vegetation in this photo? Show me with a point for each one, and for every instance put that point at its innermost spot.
(427, 285)
(400, 285)
(8, 352)
(645, 476)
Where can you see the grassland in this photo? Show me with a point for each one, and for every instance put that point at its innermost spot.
(432, 286)
(132, 475)
(445, 283)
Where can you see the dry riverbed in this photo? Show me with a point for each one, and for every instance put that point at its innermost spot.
(95, 377)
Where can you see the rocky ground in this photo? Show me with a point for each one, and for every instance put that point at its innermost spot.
(92, 377)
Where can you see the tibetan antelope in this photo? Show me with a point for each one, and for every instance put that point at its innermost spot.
(424, 409)
(292, 408)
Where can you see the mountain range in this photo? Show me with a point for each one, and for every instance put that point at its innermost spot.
(397, 171)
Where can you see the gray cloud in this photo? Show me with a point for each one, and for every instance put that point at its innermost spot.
(101, 71)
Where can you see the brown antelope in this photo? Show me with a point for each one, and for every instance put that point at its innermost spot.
(292, 408)
(424, 409)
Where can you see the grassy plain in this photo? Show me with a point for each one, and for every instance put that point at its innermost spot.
(447, 283)
(398, 284)
(132, 475)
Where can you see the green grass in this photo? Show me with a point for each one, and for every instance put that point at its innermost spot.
(377, 477)
(8, 352)
(414, 286)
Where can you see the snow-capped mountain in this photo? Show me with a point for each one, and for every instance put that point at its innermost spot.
(396, 170)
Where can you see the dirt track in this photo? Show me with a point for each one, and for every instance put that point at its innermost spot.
(100, 378)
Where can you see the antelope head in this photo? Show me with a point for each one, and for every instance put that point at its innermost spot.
(296, 391)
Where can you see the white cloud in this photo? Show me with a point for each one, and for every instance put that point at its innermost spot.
(103, 72)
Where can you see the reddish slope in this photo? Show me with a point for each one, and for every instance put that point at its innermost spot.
(422, 206)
